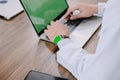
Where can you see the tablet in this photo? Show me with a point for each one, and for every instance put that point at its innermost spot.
(35, 75)
(42, 12)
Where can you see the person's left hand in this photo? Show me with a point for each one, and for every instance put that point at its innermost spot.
(56, 28)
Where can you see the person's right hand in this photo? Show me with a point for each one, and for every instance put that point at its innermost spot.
(86, 10)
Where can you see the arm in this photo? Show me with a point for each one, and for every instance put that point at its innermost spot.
(104, 65)
(72, 57)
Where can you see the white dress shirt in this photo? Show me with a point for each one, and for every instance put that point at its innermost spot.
(105, 63)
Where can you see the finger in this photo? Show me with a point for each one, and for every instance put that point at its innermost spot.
(48, 27)
(57, 23)
(67, 15)
(45, 31)
(66, 25)
(48, 34)
(67, 18)
(52, 22)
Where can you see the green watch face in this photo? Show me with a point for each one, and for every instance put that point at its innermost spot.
(57, 39)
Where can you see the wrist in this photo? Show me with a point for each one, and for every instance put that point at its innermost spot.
(95, 9)
(59, 38)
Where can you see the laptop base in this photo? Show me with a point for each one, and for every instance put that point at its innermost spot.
(83, 32)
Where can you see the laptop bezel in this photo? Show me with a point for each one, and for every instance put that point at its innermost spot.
(57, 18)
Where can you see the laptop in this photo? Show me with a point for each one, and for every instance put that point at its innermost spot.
(10, 8)
(42, 12)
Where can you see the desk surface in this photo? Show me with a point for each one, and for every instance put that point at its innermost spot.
(22, 51)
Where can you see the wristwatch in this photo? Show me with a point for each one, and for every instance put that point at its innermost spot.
(59, 38)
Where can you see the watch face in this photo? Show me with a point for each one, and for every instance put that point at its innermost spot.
(57, 39)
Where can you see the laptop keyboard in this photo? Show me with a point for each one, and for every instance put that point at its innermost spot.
(72, 24)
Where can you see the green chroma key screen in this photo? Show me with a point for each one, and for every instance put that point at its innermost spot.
(42, 12)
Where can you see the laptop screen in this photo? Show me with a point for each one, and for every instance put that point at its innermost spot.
(42, 12)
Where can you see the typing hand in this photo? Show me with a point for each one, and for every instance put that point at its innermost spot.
(85, 10)
(55, 29)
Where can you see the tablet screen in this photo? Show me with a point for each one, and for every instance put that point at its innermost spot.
(35, 75)
(42, 12)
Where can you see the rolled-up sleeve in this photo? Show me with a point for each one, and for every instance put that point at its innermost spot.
(72, 57)
(105, 63)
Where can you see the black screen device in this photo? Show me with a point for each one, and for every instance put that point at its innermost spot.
(35, 75)
(42, 12)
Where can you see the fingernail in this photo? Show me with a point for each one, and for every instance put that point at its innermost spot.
(51, 21)
(71, 18)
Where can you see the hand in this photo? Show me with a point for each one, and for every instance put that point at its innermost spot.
(86, 10)
(55, 29)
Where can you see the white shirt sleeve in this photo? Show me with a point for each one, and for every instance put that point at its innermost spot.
(101, 8)
(104, 64)
(74, 58)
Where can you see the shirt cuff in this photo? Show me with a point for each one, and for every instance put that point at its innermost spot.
(101, 8)
(63, 42)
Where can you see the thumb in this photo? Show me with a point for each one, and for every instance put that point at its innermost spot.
(75, 17)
